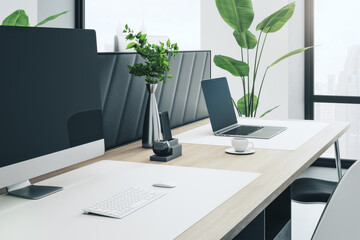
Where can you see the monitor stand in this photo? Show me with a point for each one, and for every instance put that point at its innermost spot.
(29, 191)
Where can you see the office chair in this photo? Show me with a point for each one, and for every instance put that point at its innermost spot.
(309, 190)
(340, 219)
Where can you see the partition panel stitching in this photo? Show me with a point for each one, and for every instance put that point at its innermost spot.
(159, 90)
(187, 92)
(200, 90)
(122, 123)
(176, 86)
(142, 110)
(163, 85)
(123, 109)
(139, 110)
(110, 83)
(161, 93)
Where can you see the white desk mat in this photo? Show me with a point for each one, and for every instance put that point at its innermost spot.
(59, 216)
(296, 134)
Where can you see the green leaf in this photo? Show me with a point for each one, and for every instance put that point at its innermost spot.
(131, 45)
(238, 14)
(156, 58)
(277, 20)
(50, 18)
(241, 103)
(245, 39)
(235, 67)
(143, 36)
(17, 18)
(234, 103)
(268, 111)
(300, 50)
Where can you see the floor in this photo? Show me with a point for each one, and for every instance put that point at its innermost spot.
(304, 219)
(306, 216)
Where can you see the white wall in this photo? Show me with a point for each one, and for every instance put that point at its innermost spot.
(38, 10)
(47, 8)
(9, 6)
(296, 63)
(178, 20)
(217, 36)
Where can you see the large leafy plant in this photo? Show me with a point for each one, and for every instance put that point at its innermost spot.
(156, 57)
(239, 15)
(21, 19)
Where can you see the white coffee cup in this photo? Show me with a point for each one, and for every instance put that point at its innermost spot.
(241, 144)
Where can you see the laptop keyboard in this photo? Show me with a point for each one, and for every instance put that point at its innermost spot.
(243, 130)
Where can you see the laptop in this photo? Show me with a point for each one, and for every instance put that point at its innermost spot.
(222, 113)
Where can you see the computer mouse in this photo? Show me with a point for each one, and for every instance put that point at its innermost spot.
(164, 185)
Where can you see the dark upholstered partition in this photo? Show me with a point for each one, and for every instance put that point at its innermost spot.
(124, 96)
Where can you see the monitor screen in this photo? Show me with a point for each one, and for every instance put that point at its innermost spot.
(49, 92)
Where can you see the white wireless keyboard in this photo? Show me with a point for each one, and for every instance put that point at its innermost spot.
(125, 202)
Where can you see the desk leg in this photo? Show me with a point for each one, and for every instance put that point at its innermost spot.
(274, 223)
(337, 159)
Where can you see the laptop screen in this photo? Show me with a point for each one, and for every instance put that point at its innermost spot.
(219, 103)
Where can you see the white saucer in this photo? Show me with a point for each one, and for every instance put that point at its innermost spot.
(246, 152)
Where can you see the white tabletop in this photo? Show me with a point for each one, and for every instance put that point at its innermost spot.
(198, 191)
(296, 134)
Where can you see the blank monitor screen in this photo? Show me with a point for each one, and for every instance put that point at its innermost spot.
(49, 91)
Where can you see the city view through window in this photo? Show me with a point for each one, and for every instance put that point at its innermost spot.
(337, 68)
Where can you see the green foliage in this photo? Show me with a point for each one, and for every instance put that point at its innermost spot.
(269, 111)
(235, 67)
(239, 15)
(276, 20)
(17, 18)
(156, 57)
(50, 18)
(246, 39)
(241, 105)
(300, 50)
(20, 18)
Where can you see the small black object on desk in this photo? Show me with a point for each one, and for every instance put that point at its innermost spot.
(166, 150)
(169, 148)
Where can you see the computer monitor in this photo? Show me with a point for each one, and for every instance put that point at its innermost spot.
(50, 104)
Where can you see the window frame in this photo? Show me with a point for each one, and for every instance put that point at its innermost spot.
(310, 97)
(80, 14)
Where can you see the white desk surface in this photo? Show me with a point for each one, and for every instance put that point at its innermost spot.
(198, 191)
(278, 169)
(296, 134)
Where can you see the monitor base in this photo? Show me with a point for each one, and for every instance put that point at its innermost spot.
(34, 192)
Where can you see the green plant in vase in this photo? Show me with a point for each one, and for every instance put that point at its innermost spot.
(20, 18)
(156, 57)
(155, 69)
(239, 15)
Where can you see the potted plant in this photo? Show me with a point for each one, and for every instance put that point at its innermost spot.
(21, 19)
(154, 68)
(239, 15)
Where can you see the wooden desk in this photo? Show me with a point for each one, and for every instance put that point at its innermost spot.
(278, 168)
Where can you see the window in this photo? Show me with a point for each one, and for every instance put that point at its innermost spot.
(332, 69)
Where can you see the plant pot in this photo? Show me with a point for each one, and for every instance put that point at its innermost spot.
(151, 128)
